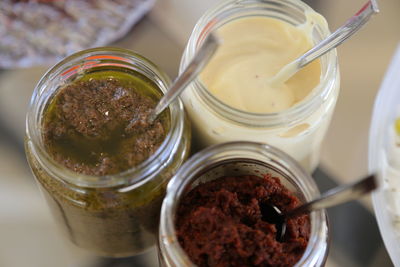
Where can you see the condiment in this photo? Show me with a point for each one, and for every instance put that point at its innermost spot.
(223, 223)
(253, 50)
(101, 166)
(394, 145)
(215, 211)
(98, 125)
(235, 98)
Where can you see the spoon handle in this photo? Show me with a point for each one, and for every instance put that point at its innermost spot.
(203, 56)
(338, 196)
(341, 34)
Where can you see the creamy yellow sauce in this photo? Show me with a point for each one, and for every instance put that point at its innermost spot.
(397, 126)
(253, 50)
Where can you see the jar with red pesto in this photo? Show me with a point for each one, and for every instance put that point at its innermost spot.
(229, 163)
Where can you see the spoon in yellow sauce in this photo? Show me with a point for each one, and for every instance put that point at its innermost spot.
(332, 41)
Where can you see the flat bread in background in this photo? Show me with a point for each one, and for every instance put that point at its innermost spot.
(41, 32)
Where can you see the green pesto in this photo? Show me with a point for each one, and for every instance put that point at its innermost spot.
(89, 150)
(116, 220)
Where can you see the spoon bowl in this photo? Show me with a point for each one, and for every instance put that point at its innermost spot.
(333, 197)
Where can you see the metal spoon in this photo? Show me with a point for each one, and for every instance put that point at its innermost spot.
(333, 197)
(332, 41)
(202, 57)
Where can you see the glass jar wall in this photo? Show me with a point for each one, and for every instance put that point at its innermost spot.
(298, 130)
(233, 159)
(112, 215)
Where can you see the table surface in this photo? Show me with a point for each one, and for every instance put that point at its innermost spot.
(26, 227)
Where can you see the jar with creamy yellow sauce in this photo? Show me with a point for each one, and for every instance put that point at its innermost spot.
(232, 100)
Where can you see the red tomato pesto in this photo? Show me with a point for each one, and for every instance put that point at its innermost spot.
(220, 223)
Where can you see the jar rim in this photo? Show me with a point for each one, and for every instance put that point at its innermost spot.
(289, 116)
(192, 168)
(74, 65)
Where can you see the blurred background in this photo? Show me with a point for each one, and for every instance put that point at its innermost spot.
(28, 235)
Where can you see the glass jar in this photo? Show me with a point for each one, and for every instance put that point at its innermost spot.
(240, 158)
(114, 215)
(298, 130)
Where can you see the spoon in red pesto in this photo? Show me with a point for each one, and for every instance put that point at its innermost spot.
(333, 197)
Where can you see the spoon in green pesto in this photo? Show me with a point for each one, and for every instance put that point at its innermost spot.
(200, 60)
(332, 41)
(333, 197)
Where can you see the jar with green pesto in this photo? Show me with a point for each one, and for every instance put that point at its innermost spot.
(102, 167)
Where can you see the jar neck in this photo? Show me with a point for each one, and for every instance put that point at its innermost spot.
(76, 66)
(290, 11)
(253, 159)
